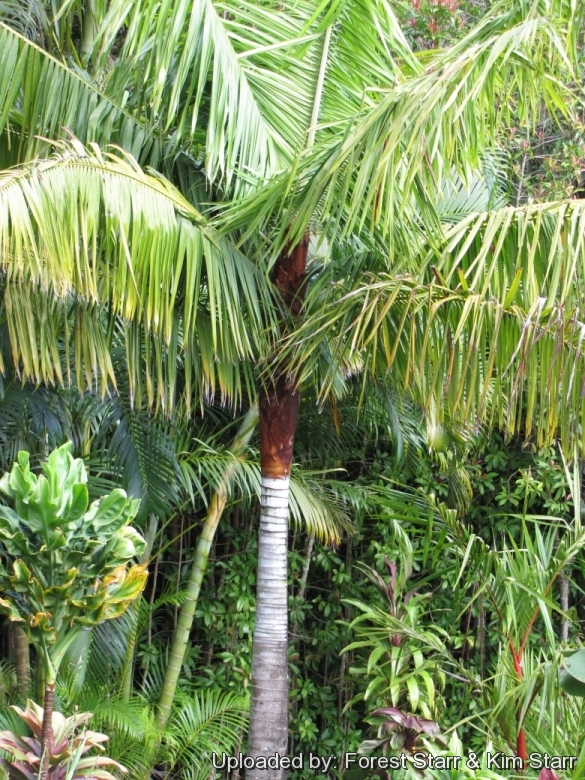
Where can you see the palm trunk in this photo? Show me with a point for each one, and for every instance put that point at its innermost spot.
(279, 407)
(268, 734)
(185, 620)
(22, 657)
(47, 730)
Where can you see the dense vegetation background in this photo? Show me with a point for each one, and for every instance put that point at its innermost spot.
(435, 563)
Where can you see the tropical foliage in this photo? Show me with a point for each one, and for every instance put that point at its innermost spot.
(65, 759)
(349, 225)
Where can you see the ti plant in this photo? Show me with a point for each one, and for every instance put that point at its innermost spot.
(518, 584)
(65, 755)
(403, 664)
(396, 730)
(64, 567)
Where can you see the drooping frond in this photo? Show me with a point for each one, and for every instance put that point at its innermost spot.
(483, 191)
(237, 82)
(88, 240)
(26, 18)
(40, 96)
(312, 504)
(140, 450)
(209, 73)
(388, 167)
(492, 326)
(32, 420)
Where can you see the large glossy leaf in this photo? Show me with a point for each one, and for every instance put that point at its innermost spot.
(572, 674)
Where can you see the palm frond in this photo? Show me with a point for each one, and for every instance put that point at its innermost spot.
(388, 166)
(40, 96)
(208, 72)
(482, 192)
(26, 18)
(129, 725)
(491, 327)
(108, 655)
(97, 231)
(204, 723)
(140, 450)
(36, 420)
(312, 503)
(239, 79)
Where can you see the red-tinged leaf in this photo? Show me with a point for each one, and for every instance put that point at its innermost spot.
(22, 772)
(93, 761)
(32, 716)
(33, 744)
(9, 742)
(392, 570)
(391, 712)
(548, 774)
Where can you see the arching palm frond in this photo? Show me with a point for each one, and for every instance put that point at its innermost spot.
(115, 644)
(36, 420)
(209, 71)
(26, 18)
(40, 96)
(240, 79)
(492, 327)
(128, 724)
(99, 232)
(108, 654)
(206, 722)
(390, 165)
(140, 450)
(313, 504)
(483, 192)
(336, 430)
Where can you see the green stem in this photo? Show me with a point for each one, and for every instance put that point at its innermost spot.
(89, 32)
(185, 619)
(40, 679)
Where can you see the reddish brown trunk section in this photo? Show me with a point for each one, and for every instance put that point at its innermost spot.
(278, 415)
(289, 275)
(279, 404)
(47, 731)
(279, 411)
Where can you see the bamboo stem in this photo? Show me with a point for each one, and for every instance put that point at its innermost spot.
(187, 613)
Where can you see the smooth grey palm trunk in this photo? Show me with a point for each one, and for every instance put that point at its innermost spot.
(279, 409)
(268, 731)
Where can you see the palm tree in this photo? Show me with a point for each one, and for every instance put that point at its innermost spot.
(349, 137)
